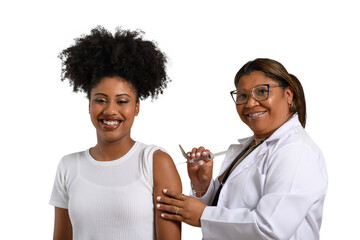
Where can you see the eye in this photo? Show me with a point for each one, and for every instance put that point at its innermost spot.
(241, 96)
(122, 101)
(100, 100)
(261, 91)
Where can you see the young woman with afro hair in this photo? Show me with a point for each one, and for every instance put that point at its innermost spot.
(107, 191)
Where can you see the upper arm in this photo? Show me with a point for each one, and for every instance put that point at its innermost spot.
(296, 168)
(165, 176)
(62, 226)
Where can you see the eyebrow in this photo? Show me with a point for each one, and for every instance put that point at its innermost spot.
(262, 84)
(118, 95)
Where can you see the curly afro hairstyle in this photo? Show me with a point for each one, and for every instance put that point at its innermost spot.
(124, 54)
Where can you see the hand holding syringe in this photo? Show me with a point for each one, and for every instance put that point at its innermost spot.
(194, 160)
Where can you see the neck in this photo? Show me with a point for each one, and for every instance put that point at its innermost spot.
(268, 134)
(261, 137)
(259, 140)
(108, 151)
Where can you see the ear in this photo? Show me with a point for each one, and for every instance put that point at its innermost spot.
(137, 108)
(289, 95)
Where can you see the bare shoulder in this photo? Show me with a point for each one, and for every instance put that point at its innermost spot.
(164, 169)
(162, 159)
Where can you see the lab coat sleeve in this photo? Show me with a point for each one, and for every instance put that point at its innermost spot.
(295, 179)
(209, 195)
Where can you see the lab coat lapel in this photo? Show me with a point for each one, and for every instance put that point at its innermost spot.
(233, 152)
(250, 159)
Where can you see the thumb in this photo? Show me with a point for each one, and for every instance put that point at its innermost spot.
(206, 168)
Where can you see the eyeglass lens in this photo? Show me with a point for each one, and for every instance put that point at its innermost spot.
(260, 93)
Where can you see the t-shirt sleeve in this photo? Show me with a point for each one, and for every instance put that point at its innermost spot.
(147, 163)
(59, 196)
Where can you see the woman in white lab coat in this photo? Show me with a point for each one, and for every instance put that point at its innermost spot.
(272, 185)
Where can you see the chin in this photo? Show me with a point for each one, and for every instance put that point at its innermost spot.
(110, 138)
(259, 131)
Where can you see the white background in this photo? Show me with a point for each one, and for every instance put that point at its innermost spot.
(206, 43)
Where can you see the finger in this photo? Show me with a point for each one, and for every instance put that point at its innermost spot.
(169, 201)
(197, 162)
(193, 153)
(199, 151)
(193, 164)
(171, 193)
(205, 152)
(172, 217)
(205, 171)
(183, 197)
(168, 208)
(206, 167)
(188, 154)
(204, 162)
(208, 161)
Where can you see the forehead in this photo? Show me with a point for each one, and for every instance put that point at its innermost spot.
(113, 85)
(253, 79)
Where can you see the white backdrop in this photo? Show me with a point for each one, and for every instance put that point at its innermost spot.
(206, 42)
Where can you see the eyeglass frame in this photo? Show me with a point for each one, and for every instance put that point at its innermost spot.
(252, 93)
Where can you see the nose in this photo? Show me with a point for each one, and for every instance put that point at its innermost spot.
(251, 102)
(110, 108)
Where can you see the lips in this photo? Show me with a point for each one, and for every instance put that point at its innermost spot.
(255, 114)
(110, 123)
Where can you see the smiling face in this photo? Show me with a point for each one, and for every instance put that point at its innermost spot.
(113, 106)
(264, 117)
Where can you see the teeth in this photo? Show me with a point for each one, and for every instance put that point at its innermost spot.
(111, 123)
(256, 114)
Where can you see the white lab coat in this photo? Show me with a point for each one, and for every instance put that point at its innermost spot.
(276, 192)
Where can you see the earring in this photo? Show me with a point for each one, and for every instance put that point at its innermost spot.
(291, 107)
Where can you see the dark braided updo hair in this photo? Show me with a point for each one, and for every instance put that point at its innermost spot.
(124, 54)
(277, 72)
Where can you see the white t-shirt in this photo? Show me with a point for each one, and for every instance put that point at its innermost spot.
(108, 200)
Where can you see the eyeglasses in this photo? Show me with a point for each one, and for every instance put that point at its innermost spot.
(259, 93)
